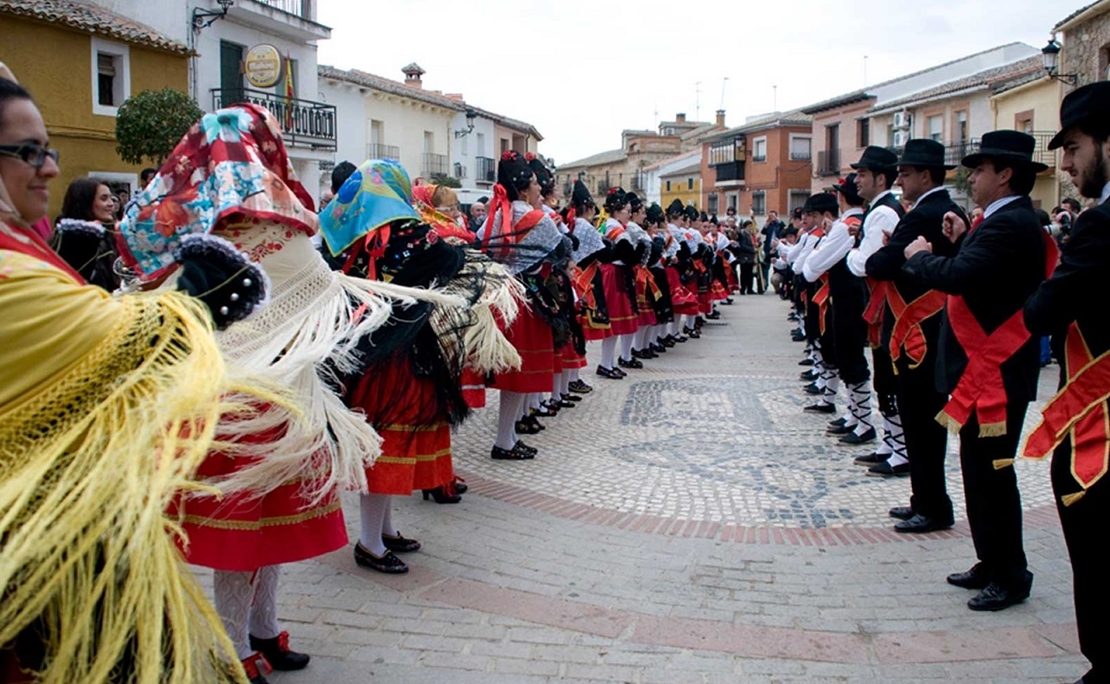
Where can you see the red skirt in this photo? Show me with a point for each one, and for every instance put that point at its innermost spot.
(572, 359)
(622, 320)
(416, 442)
(717, 291)
(704, 305)
(733, 281)
(474, 388)
(532, 339)
(685, 303)
(244, 533)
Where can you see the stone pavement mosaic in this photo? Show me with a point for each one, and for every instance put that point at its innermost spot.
(686, 524)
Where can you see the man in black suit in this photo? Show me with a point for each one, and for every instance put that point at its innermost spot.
(915, 331)
(1080, 331)
(986, 360)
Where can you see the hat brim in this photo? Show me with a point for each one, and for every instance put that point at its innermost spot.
(1058, 139)
(925, 164)
(972, 161)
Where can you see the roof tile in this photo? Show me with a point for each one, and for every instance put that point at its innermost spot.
(93, 19)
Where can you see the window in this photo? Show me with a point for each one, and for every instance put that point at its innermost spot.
(111, 76)
(959, 135)
(864, 134)
(1023, 121)
(733, 201)
(377, 132)
(429, 142)
(464, 148)
(712, 203)
(504, 145)
(935, 125)
(798, 199)
(668, 186)
(481, 145)
(689, 183)
(759, 203)
(801, 147)
(759, 149)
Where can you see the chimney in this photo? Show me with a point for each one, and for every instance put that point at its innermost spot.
(721, 117)
(680, 117)
(412, 73)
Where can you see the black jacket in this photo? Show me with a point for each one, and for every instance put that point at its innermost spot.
(1071, 294)
(925, 220)
(997, 267)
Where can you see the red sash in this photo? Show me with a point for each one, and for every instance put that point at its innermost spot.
(873, 314)
(980, 387)
(583, 282)
(645, 282)
(907, 323)
(1078, 409)
(821, 301)
(616, 233)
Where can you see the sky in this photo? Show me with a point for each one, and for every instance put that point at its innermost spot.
(581, 71)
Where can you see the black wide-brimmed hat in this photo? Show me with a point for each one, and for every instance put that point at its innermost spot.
(923, 152)
(847, 187)
(875, 158)
(1012, 147)
(1083, 104)
(675, 208)
(822, 202)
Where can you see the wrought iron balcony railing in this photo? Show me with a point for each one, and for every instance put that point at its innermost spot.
(304, 123)
(379, 151)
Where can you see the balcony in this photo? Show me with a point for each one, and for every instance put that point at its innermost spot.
(957, 151)
(433, 165)
(487, 170)
(828, 163)
(379, 151)
(1041, 153)
(294, 19)
(638, 181)
(730, 174)
(603, 187)
(304, 123)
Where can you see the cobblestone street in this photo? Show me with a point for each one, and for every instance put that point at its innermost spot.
(686, 524)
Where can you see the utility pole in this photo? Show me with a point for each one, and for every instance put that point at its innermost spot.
(865, 71)
(723, 84)
(697, 101)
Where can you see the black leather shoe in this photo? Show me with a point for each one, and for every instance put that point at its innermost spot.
(920, 524)
(995, 597)
(441, 495)
(680, 338)
(570, 397)
(632, 363)
(526, 427)
(806, 362)
(812, 388)
(852, 439)
(389, 564)
(798, 338)
(657, 348)
(884, 469)
(564, 404)
(820, 408)
(975, 578)
(839, 422)
(579, 387)
(524, 448)
(839, 430)
(669, 341)
(400, 544)
(808, 376)
(277, 653)
(499, 454)
(610, 373)
(872, 459)
(901, 512)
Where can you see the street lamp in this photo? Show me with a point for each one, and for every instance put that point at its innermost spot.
(200, 15)
(471, 115)
(1051, 53)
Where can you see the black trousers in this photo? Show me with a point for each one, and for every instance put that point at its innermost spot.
(919, 402)
(993, 500)
(850, 331)
(1084, 523)
(747, 272)
(885, 383)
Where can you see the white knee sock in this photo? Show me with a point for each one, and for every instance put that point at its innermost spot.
(861, 406)
(639, 342)
(898, 442)
(232, 595)
(372, 509)
(387, 520)
(608, 352)
(887, 447)
(564, 383)
(626, 346)
(507, 414)
(264, 622)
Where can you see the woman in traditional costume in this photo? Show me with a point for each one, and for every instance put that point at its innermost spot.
(660, 295)
(107, 407)
(281, 472)
(589, 251)
(620, 294)
(529, 244)
(410, 388)
(643, 284)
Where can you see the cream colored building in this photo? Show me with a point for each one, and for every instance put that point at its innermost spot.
(386, 119)
(1032, 106)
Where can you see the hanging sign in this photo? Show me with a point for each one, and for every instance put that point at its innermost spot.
(262, 66)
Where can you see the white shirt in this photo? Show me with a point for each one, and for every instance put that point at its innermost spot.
(998, 204)
(881, 220)
(1105, 194)
(802, 251)
(927, 193)
(834, 247)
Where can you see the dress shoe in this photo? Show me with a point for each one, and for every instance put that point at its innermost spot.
(278, 654)
(995, 597)
(874, 458)
(441, 495)
(806, 362)
(610, 373)
(798, 338)
(400, 544)
(522, 447)
(975, 578)
(812, 388)
(669, 341)
(713, 316)
(389, 564)
(514, 454)
(884, 469)
(834, 430)
(570, 397)
(808, 375)
(820, 408)
(838, 422)
(855, 439)
(525, 427)
(579, 387)
(680, 338)
(920, 524)
(631, 363)
(564, 404)
(657, 348)
(901, 512)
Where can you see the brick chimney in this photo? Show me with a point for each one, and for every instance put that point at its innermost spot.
(720, 117)
(680, 117)
(412, 73)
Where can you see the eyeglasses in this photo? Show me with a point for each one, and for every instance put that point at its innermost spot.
(35, 155)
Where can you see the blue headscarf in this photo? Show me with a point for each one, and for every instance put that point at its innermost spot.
(377, 193)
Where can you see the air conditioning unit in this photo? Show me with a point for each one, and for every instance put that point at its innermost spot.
(901, 119)
(900, 138)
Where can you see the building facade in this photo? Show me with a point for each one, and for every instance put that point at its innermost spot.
(1085, 36)
(764, 165)
(96, 60)
(683, 184)
(653, 175)
(1032, 105)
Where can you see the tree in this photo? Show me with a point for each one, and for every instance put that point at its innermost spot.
(149, 125)
(446, 181)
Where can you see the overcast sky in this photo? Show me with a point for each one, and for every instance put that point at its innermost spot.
(581, 71)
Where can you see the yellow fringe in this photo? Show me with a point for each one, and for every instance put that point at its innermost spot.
(1069, 499)
(87, 552)
(949, 423)
(1000, 463)
(992, 429)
